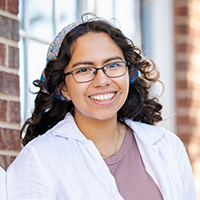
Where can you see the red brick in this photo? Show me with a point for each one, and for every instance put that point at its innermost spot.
(187, 120)
(190, 138)
(3, 110)
(9, 28)
(5, 161)
(181, 48)
(9, 139)
(181, 11)
(181, 84)
(13, 6)
(3, 54)
(2, 4)
(12, 86)
(181, 29)
(182, 102)
(187, 102)
(13, 57)
(181, 65)
(9, 83)
(14, 112)
(182, 120)
(2, 81)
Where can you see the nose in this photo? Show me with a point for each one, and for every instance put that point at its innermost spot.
(101, 79)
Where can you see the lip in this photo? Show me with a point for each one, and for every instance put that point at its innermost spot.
(106, 102)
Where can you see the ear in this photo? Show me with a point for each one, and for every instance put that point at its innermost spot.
(64, 90)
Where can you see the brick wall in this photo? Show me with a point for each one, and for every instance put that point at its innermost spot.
(9, 82)
(187, 58)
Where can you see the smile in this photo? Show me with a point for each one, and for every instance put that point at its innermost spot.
(103, 97)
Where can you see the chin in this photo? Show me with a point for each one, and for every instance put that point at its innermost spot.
(104, 116)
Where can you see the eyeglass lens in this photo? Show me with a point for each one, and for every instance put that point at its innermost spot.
(112, 70)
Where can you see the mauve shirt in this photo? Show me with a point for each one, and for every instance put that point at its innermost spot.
(133, 182)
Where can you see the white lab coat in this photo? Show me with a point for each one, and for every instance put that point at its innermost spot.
(2, 184)
(62, 164)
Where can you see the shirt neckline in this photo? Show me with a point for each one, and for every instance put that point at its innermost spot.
(123, 150)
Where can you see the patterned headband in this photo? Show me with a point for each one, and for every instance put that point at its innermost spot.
(53, 51)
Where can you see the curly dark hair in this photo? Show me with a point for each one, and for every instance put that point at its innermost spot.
(139, 106)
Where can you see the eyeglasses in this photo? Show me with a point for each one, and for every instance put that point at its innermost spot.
(111, 70)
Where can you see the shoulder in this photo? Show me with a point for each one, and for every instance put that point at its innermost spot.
(29, 154)
(165, 143)
(44, 149)
(164, 150)
(40, 143)
(152, 134)
(158, 138)
(52, 138)
(32, 165)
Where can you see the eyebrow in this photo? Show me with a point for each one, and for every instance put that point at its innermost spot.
(91, 63)
(112, 59)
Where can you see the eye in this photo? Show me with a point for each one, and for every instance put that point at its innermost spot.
(83, 70)
(114, 65)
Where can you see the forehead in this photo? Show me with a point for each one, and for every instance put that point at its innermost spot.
(95, 45)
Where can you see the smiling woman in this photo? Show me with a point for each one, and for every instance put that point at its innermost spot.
(96, 50)
(92, 133)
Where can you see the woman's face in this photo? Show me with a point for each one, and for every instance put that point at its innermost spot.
(102, 97)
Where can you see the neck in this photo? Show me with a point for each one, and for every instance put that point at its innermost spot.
(107, 135)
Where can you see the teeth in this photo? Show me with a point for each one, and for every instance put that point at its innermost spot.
(103, 97)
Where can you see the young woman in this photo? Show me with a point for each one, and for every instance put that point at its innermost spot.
(92, 135)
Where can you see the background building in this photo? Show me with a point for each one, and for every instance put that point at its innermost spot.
(168, 32)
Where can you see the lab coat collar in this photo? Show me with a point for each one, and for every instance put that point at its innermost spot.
(67, 128)
(146, 132)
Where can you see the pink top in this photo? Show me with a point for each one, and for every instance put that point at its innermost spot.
(133, 182)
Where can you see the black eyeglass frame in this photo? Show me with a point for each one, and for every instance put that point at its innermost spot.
(96, 70)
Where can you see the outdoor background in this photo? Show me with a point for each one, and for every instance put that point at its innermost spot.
(167, 31)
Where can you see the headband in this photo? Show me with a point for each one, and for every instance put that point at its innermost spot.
(53, 51)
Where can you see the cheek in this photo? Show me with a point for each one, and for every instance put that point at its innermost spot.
(69, 87)
(76, 90)
(126, 82)
(126, 86)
